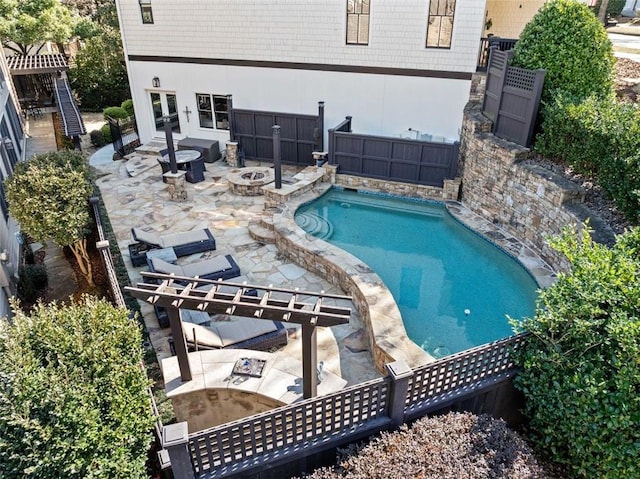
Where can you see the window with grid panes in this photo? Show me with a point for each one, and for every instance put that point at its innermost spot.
(440, 23)
(213, 111)
(358, 22)
(146, 11)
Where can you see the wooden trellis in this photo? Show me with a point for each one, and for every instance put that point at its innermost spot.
(224, 297)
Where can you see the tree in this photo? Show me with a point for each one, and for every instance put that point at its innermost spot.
(99, 76)
(73, 394)
(48, 195)
(566, 39)
(26, 25)
(581, 364)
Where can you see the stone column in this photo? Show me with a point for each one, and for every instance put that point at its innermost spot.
(320, 157)
(232, 154)
(176, 185)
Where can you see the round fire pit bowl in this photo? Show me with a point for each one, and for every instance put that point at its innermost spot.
(250, 180)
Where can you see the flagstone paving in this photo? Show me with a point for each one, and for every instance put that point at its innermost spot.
(135, 196)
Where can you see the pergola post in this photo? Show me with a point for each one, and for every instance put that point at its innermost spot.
(277, 160)
(180, 343)
(309, 361)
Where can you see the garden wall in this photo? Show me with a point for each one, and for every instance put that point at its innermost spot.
(525, 199)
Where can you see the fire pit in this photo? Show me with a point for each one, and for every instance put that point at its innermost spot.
(249, 181)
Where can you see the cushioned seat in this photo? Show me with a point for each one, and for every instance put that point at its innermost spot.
(220, 267)
(239, 333)
(183, 243)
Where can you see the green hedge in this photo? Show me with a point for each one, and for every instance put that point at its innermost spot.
(115, 112)
(580, 367)
(127, 106)
(600, 137)
(568, 41)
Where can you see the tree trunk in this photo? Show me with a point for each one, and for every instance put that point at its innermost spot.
(602, 13)
(79, 250)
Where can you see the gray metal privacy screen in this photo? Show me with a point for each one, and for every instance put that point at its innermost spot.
(512, 97)
(300, 135)
(394, 159)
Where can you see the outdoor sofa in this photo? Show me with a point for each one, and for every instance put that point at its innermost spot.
(183, 244)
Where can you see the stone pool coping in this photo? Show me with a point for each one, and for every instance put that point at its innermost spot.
(388, 340)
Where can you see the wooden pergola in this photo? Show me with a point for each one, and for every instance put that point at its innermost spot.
(224, 297)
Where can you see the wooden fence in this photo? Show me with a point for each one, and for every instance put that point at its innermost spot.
(511, 99)
(394, 159)
(289, 433)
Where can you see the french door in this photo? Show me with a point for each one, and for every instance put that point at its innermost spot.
(165, 104)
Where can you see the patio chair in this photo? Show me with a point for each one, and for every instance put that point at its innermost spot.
(220, 267)
(238, 333)
(183, 244)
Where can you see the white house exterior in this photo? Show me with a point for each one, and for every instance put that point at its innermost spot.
(12, 150)
(392, 65)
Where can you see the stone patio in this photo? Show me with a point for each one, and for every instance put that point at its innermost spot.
(135, 196)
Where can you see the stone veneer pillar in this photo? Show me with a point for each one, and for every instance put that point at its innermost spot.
(232, 153)
(176, 185)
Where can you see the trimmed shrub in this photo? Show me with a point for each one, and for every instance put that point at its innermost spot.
(580, 373)
(97, 138)
(450, 446)
(127, 106)
(568, 41)
(600, 137)
(115, 112)
(106, 134)
(73, 396)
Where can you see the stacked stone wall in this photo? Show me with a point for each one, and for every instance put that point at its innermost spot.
(530, 202)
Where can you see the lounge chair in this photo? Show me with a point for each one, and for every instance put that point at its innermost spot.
(238, 333)
(220, 267)
(183, 244)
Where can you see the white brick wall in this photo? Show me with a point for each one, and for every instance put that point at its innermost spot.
(305, 31)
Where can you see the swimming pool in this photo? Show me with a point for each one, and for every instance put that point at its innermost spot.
(453, 288)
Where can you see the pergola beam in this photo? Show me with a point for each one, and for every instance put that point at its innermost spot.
(171, 294)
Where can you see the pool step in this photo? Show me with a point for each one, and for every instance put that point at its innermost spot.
(314, 224)
(262, 230)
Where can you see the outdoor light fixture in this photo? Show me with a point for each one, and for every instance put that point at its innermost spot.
(155, 82)
(8, 144)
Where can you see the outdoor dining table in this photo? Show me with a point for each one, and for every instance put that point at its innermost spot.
(191, 161)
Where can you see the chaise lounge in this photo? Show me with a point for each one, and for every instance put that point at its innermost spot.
(238, 333)
(220, 267)
(183, 244)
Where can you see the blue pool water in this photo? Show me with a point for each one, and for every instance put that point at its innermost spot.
(454, 289)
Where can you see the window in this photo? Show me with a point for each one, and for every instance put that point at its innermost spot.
(146, 11)
(358, 22)
(440, 25)
(16, 126)
(8, 146)
(212, 107)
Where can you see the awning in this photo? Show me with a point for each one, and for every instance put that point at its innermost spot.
(69, 113)
(34, 64)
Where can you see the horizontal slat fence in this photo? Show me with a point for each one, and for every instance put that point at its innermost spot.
(256, 439)
(394, 159)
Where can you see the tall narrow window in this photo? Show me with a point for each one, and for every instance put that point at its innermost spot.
(146, 11)
(440, 25)
(213, 111)
(358, 22)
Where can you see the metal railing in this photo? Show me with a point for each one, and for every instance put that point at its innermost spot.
(313, 425)
(503, 44)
